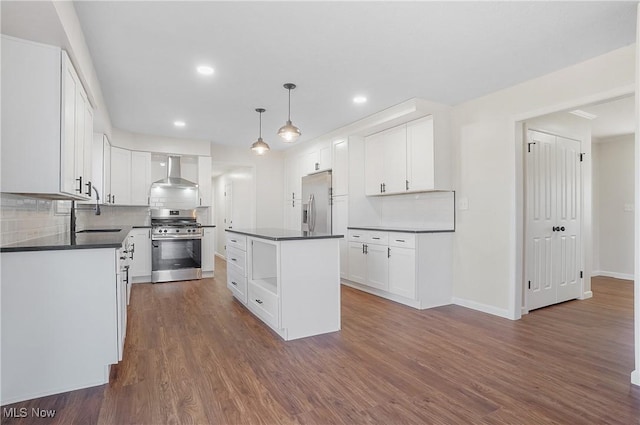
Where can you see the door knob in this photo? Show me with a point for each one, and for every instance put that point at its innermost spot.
(555, 229)
(562, 229)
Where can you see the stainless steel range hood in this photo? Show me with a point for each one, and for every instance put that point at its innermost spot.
(174, 192)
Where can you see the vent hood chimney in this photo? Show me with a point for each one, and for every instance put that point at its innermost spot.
(174, 192)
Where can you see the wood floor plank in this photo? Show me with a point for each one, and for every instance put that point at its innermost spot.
(194, 355)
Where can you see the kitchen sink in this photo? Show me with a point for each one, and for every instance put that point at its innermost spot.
(99, 231)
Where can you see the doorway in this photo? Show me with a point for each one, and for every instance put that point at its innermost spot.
(235, 206)
(547, 273)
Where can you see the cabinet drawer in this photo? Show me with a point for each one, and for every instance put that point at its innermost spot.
(378, 238)
(357, 235)
(237, 284)
(237, 241)
(402, 240)
(264, 304)
(237, 258)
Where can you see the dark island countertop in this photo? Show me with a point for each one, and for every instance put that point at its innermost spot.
(82, 240)
(399, 229)
(275, 234)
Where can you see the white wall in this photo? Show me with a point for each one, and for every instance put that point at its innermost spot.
(614, 165)
(484, 138)
(269, 180)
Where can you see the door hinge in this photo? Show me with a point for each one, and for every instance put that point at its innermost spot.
(581, 274)
(529, 146)
(529, 284)
(581, 157)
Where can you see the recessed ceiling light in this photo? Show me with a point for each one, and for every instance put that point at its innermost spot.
(179, 123)
(205, 70)
(359, 99)
(583, 114)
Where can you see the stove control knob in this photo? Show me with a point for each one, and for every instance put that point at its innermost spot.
(177, 231)
(165, 230)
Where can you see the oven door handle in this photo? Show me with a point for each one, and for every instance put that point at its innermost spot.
(169, 237)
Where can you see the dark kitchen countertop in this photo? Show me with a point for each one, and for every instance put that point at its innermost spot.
(399, 229)
(275, 234)
(82, 241)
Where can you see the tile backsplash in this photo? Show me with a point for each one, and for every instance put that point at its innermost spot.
(23, 218)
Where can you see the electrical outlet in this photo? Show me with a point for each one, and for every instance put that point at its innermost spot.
(628, 207)
(463, 204)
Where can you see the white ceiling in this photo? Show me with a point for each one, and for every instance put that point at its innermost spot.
(614, 118)
(145, 54)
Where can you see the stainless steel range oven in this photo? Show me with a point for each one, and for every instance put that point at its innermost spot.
(176, 245)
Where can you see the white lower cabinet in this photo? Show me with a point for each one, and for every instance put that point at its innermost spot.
(236, 265)
(411, 268)
(292, 285)
(208, 251)
(402, 272)
(63, 322)
(139, 254)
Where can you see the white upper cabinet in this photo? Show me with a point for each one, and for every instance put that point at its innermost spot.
(106, 170)
(420, 156)
(403, 159)
(140, 177)
(316, 160)
(47, 123)
(120, 176)
(340, 174)
(204, 181)
(293, 178)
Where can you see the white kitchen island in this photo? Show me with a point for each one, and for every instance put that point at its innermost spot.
(288, 279)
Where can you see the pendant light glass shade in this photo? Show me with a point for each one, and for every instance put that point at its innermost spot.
(260, 147)
(289, 132)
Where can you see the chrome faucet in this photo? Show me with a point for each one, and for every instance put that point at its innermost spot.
(97, 200)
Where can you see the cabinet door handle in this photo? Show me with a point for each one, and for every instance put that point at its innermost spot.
(356, 236)
(233, 240)
(234, 283)
(317, 166)
(380, 187)
(79, 180)
(233, 259)
(366, 249)
(384, 187)
(406, 184)
(376, 238)
(113, 199)
(388, 252)
(200, 201)
(258, 301)
(133, 249)
(88, 184)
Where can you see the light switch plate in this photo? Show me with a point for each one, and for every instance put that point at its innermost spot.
(463, 204)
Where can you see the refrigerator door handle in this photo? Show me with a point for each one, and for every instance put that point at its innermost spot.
(312, 213)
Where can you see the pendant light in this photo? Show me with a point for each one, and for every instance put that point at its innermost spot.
(260, 147)
(289, 132)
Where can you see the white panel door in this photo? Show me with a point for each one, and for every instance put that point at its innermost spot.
(552, 250)
(568, 218)
(228, 206)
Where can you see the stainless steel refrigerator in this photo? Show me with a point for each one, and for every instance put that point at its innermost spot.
(316, 202)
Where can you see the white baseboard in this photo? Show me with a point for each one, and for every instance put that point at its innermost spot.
(381, 293)
(500, 312)
(614, 275)
(635, 377)
(586, 295)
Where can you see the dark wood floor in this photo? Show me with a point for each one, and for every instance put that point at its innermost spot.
(194, 355)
